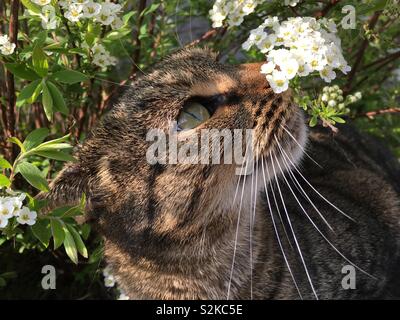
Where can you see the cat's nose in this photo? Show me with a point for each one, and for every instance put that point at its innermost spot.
(250, 77)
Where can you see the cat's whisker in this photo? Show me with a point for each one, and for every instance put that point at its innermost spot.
(130, 58)
(238, 220)
(290, 224)
(276, 230)
(300, 146)
(316, 227)
(277, 208)
(296, 182)
(312, 187)
(253, 190)
(176, 25)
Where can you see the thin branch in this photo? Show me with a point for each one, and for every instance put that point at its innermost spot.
(10, 112)
(207, 35)
(138, 48)
(361, 51)
(373, 114)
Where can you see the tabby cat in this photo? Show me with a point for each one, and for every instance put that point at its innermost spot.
(317, 218)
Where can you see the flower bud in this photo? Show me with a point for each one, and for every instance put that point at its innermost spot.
(325, 97)
(332, 103)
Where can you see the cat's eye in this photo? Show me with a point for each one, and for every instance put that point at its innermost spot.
(192, 115)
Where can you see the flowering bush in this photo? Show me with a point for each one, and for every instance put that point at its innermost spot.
(63, 62)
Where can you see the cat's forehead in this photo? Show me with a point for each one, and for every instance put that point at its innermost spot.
(198, 72)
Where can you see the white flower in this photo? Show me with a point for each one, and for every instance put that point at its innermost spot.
(332, 103)
(74, 12)
(278, 82)
(290, 68)
(122, 295)
(26, 216)
(91, 9)
(232, 10)
(299, 46)
(304, 70)
(3, 222)
(117, 23)
(325, 97)
(291, 3)
(6, 208)
(268, 67)
(41, 2)
(7, 48)
(65, 3)
(358, 95)
(109, 281)
(267, 44)
(98, 49)
(345, 68)
(48, 17)
(105, 17)
(3, 39)
(327, 74)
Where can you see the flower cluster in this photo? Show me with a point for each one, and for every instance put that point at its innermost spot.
(12, 206)
(101, 57)
(233, 10)
(109, 282)
(105, 13)
(333, 97)
(6, 47)
(298, 46)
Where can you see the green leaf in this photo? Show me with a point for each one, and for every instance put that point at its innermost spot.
(4, 164)
(58, 140)
(338, 119)
(47, 101)
(53, 146)
(35, 138)
(58, 99)
(85, 228)
(78, 241)
(28, 93)
(70, 245)
(39, 61)
(33, 175)
(69, 76)
(151, 9)
(22, 71)
(4, 181)
(313, 121)
(56, 155)
(96, 255)
(57, 231)
(80, 51)
(41, 230)
(18, 142)
(117, 34)
(32, 6)
(127, 16)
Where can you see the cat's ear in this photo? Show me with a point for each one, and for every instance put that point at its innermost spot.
(68, 187)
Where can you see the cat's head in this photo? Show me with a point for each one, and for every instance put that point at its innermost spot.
(196, 91)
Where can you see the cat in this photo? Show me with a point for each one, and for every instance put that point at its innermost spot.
(318, 218)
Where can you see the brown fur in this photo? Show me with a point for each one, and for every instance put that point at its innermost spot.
(170, 230)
